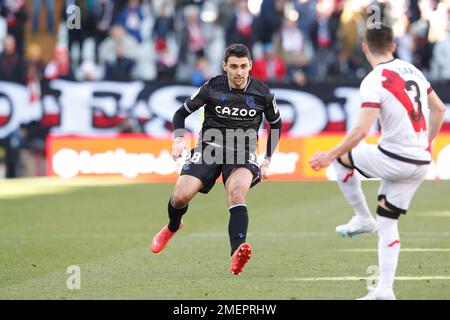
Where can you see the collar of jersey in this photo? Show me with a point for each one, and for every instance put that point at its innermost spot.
(245, 89)
(386, 62)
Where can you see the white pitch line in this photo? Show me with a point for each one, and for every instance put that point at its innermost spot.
(313, 234)
(266, 234)
(401, 250)
(411, 236)
(440, 214)
(351, 278)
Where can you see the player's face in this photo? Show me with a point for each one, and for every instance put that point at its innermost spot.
(237, 70)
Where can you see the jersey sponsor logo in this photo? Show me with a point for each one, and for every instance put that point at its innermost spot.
(234, 111)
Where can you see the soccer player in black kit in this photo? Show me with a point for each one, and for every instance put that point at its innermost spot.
(234, 104)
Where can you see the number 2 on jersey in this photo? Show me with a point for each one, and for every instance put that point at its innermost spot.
(396, 85)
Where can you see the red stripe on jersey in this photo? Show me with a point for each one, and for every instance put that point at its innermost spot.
(371, 105)
(429, 90)
(398, 87)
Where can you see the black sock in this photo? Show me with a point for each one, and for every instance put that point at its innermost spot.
(175, 215)
(237, 226)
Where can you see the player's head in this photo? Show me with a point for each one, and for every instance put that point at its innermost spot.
(237, 63)
(379, 40)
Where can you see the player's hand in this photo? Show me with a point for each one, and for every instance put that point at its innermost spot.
(178, 146)
(265, 169)
(320, 160)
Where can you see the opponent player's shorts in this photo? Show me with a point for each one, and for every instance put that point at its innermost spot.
(208, 173)
(400, 177)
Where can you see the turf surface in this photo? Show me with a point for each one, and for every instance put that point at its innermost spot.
(47, 225)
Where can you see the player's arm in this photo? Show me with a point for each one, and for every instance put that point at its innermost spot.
(273, 138)
(366, 118)
(273, 116)
(371, 98)
(198, 100)
(179, 144)
(437, 112)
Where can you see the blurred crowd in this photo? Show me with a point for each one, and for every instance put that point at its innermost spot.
(292, 41)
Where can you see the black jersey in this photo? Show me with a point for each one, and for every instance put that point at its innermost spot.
(228, 110)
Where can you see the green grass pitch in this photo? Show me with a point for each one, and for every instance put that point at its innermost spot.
(47, 225)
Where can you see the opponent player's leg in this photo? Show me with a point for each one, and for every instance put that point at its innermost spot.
(350, 185)
(185, 189)
(237, 186)
(388, 251)
(393, 200)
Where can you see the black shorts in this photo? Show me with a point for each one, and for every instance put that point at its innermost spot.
(208, 173)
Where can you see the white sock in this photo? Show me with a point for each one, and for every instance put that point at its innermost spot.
(350, 185)
(388, 251)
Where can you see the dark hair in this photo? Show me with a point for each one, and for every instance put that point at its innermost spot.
(237, 50)
(379, 38)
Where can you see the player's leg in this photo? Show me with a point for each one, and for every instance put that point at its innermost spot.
(388, 250)
(237, 185)
(196, 176)
(185, 189)
(350, 185)
(393, 200)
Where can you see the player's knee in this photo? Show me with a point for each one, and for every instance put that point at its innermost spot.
(236, 196)
(179, 199)
(382, 204)
(383, 210)
(344, 160)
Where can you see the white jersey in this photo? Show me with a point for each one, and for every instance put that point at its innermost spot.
(400, 90)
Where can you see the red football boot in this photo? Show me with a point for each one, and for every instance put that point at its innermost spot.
(162, 238)
(240, 257)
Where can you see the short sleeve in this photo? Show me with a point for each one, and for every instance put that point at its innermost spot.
(198, 99)
(271, 111)
(428, 86)
(370, 95)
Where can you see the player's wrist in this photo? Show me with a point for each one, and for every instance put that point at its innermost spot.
(331, 155)
(179, 133)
